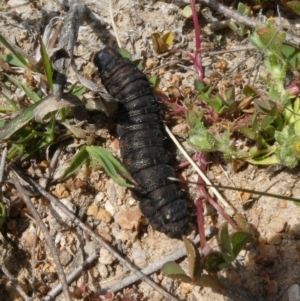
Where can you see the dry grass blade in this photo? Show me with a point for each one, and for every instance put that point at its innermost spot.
(98, 239)
(2, 166)
(44, 229)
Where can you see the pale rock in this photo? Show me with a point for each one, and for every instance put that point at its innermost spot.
(277, 225)
(104, 215)
(105, 257)
(103, 271)
(92, 210)
(90, 247)
(99, 197)
(294, 292)
(273, 238)
(181, 130)
(103, 234)
(129, 219)
(110, 208)
(139, 257)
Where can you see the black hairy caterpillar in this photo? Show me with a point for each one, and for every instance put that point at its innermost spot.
(142, 143)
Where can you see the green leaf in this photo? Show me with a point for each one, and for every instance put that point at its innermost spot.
(291, 54)
(125, 53)
(31, 94)
(270, 160)
(21, 120)
(12, 60)
(154, 81)
(110, 164)
(187, 12)
(11, 102)
(47, 64)
(174, 271)
(295, 6)
(2, 214)
(77, 161)
(239, 240)
(199, 86)
(225, 239)
(79, 91)
(193, 258)
(12, 49)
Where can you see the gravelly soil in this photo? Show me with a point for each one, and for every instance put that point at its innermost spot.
(268, 266)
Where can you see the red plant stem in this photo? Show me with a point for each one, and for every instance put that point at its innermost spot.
(200, 220)
(197, 57)
(205, 195)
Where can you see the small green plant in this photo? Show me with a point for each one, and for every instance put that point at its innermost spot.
(204, 264)
(274, 127)
(33, 129)
(238, 27)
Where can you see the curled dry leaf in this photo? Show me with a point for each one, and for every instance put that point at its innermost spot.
(41, 112)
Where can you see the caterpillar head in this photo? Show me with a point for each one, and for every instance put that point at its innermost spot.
(106, 59)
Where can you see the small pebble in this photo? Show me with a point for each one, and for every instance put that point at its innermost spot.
(110, 208)
(139, 257)
(65, 257)
(103, 234)
(105, 257)
(268, 251)
(99, 197)
(277, 225)
(104, 215)
(103, 271)
(185, 288)
(129, 219)
(90, 247)
(272, 287)
(294, 292)
(92, 210)
(273, 238)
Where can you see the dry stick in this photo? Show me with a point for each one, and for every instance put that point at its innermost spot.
(228, 208)
(71, 277)
(2, 166)
(114, 24)
(34, 213)
(290, 39)
(97, 238)
(16, 286)
(67, 40)
(150, 269)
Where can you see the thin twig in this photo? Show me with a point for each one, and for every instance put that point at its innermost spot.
(34, 213)
(2, 167)
(228, 208)
(71, 277)
(150, 269)
(97, 238)
(16, 285)
(67, 40)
